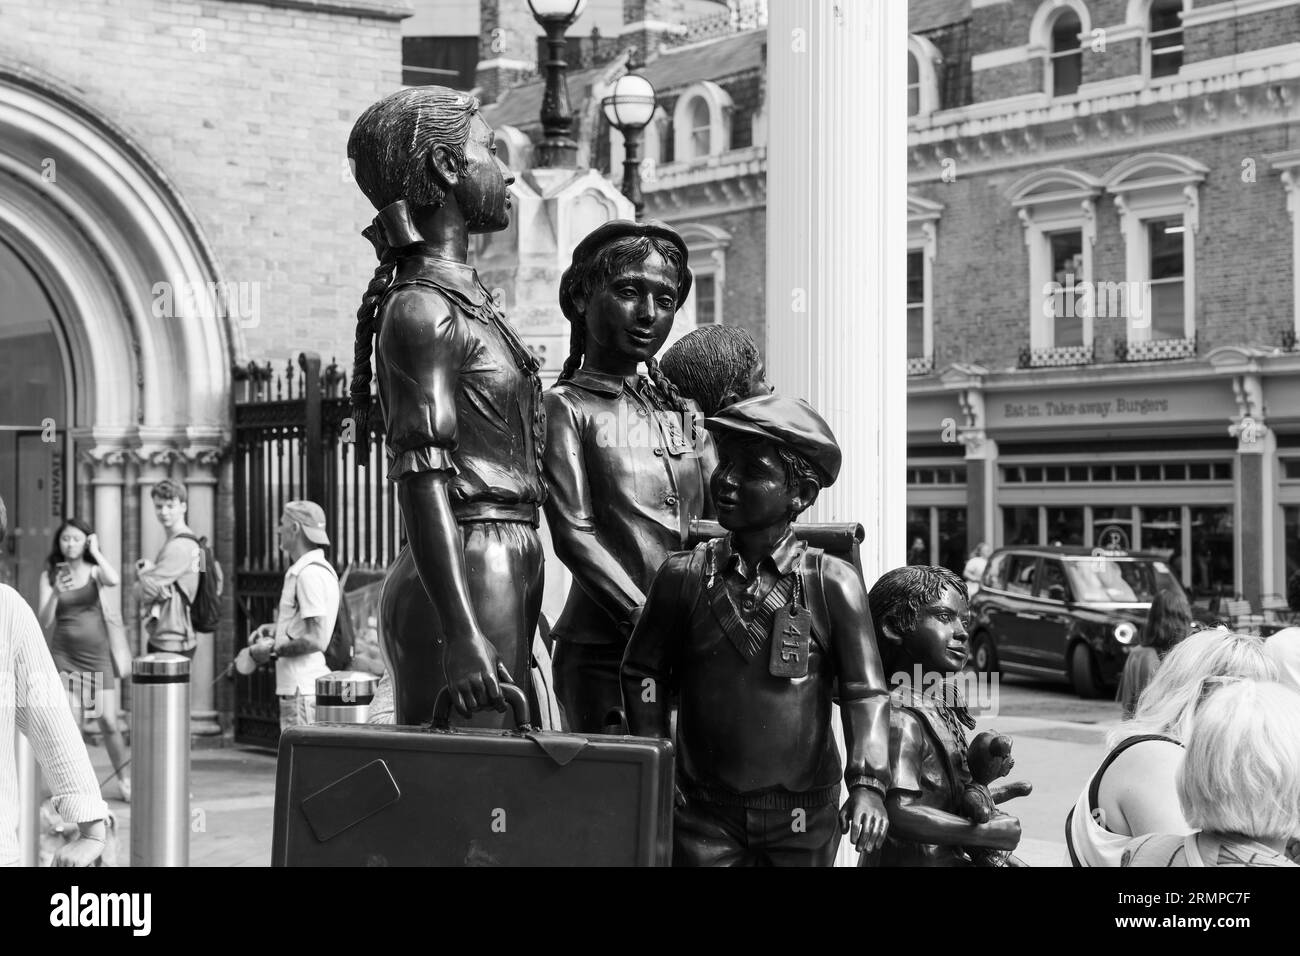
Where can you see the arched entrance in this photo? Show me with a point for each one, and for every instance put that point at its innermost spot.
(102, 256)
(34, 399)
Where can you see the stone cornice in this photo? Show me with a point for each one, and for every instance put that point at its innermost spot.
(1033, 129)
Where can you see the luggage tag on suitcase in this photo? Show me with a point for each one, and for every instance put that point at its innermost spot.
(791, 636)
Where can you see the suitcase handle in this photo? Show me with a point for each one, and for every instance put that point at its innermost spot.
(513, 695)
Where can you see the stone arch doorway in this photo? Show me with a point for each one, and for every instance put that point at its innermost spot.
(110, 261)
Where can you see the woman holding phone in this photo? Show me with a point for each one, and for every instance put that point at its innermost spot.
(70, 611)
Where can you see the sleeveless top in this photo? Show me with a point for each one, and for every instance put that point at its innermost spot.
(1173, 850)
(1088, 840)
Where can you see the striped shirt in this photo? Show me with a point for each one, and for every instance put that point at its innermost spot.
(33, 701)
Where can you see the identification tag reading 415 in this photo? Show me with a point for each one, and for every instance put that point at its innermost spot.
(791, 639)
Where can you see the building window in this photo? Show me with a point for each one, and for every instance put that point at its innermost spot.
(1067, 54)
(915, 304)
(1165, 38)
(1166, 284)
(923, 62)
(913, 85)
(1064, 296)
(937, 536)
(922, 244)
(702, 122)
(1056, 40)
(1157, 196)
(701, 128)
(1057, 210)
(708, 255)
(706, 300)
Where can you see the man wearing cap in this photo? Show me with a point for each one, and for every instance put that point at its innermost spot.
(309, 607)
(753, 631)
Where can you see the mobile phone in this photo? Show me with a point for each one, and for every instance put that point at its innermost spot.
(63, 569)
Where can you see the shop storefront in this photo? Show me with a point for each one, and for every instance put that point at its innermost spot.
(1175, 458)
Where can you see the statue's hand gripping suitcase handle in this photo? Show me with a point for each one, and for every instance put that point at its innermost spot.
(513, 695)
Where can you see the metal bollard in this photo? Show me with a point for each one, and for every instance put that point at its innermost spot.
(343, 697)
(160, 760)
(29, 802)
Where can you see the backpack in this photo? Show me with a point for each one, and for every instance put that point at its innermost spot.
(205, 609)
(338, 652)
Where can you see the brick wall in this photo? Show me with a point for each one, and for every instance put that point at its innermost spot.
(1007, 25)
(1241, 34)
(744, 295)
(1243, 264)
(247, 109)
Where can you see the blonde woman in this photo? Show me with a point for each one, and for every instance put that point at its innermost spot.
(1134, 791)
(1238, 786)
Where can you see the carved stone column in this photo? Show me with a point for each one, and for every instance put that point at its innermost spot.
(203, 458)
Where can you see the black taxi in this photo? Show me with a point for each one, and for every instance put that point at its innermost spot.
(1064, 612)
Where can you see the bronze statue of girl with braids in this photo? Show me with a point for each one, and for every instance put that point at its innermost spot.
(625, 468)
(462, 407)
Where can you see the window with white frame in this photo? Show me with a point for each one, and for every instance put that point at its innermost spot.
(708, 256)
(1057, 208)
(1164, 39)
(702, 122)
(1157, 196)
(1056, 39)
(651, 151)
(913, 85)
(1067, 54)
(917, 294)
(922, 244)
(923, 62)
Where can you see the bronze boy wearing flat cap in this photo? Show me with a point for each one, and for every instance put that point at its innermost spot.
(752, 631)
(623, 461)
(462, 406)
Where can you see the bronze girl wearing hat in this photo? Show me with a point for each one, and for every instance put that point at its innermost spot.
(625, 468)
(461, 401)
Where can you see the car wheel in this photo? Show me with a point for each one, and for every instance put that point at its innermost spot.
(983, 655)
(1083, 672)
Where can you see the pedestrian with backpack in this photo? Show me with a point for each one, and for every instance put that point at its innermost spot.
(309, 608)
(166, 588)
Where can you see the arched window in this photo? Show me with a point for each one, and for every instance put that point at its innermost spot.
(913, 85)
(923, 61)
(1056, 36)
(1164, 46)
(1067, 54)
(701, 122)
(701, 128)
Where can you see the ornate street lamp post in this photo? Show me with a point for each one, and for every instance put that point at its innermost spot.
(629, 108)
(557, 148)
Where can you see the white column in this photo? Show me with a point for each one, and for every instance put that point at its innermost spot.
(836, 231)
(201, 488)
(836, 242)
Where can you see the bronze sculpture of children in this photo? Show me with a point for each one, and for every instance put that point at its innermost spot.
(752, 631)
(941, 811)
(716, 365)
(462, 406)
(626, 466)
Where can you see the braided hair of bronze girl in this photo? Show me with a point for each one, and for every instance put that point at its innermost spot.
(608, 261)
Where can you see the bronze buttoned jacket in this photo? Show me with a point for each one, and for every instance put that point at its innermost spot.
(623, 483)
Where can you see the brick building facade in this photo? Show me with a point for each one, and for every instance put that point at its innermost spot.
(176, 200)
(1103, 282)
